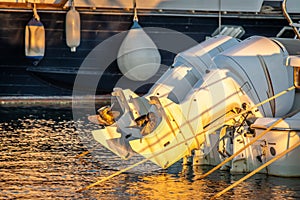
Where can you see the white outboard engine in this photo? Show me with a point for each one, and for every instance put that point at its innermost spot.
(257, 64)
(189, 67)
(204, 91)
(151, 123)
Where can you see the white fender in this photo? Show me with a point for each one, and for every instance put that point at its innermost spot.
(35, 40)
(73, 28)
(138, 57)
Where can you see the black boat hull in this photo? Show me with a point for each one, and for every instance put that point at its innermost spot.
(16, 71)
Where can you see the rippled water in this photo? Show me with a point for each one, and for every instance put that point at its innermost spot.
(38, 161)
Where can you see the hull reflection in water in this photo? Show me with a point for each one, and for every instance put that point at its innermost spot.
(37, 161)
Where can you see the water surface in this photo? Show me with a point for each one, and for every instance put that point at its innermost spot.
(38, 161)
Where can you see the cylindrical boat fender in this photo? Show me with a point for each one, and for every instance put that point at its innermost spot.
(138, 57)
(73, 28)
(35, 38)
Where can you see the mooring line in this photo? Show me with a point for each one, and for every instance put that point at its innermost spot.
(113, 175)
(143, 161)
(256, 170)
(184, 141)
(234, 116)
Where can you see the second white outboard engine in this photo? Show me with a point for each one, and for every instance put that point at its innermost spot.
(257, 64)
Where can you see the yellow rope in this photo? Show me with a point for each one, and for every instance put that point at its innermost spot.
(271, 98)
(247, 145)
(35, 14)
(190, 138)
(135, 17)
(113, 175)
(243, 112)
(143, 161)
(256, 170)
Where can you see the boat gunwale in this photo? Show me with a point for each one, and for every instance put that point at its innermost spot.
(153, 12)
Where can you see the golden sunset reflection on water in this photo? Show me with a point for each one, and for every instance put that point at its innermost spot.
(37, 161)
